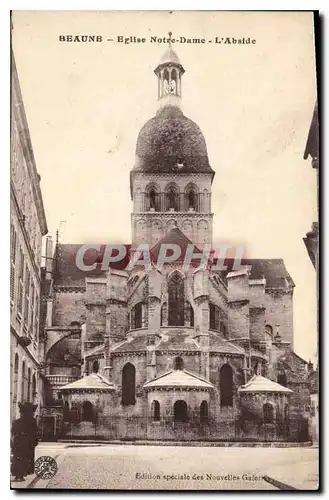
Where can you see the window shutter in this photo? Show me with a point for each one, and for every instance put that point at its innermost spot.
(12, 281)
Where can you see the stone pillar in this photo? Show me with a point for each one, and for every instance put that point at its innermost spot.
(182, 207)
(154, 300)
(204, 361)
(150, 360)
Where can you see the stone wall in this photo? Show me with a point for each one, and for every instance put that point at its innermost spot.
(150, 226)
(238, 320)
(69, 306)
(138, 360)
(279, 311)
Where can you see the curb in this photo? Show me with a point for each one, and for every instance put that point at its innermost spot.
(226, 444)
(279, 484)
(27, 484)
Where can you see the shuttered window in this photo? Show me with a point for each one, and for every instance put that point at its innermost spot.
(32, 315)
(27, 297)
(13, 245)
(37, 312)
(20, 282)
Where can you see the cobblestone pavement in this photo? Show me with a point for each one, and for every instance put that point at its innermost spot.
(125, 467)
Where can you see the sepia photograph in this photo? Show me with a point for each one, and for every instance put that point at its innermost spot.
(164, 249)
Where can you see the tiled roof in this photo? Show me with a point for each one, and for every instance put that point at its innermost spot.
(99, 349)
(170, 56)
(218, 344)
(132, 344)
(66, 271)
(177, 340)
(179, 378)
(93, 381)
(274, 270)
(175, 237)
(262, 384)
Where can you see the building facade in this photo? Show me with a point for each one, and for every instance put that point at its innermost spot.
(171, 352)
(27, 227)
(312, 245)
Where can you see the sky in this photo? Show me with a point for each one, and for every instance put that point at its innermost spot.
(86, 102)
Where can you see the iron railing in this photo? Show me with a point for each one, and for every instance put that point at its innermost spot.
(110, 428)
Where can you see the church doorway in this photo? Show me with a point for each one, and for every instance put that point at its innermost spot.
(87, 411)
(180, 411)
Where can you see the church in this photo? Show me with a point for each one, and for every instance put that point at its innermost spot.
(170, 353)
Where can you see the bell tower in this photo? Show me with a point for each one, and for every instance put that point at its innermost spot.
(169, 72)
(171, 179)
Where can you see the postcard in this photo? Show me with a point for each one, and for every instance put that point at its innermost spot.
(164, 250)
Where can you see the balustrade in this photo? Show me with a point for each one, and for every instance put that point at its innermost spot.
(61, 379)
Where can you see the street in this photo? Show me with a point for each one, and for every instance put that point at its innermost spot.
(129, 467)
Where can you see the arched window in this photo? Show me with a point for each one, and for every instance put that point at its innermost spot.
(95, 366)
(286, 414)
(189, 314)
(204, 411)
(128, 385)
(34, 387)
(180, 411)
(173, 82)
(155, 409)
(29, 384)
(178, 363)
(16, 364)
(153, 198)
(268, 413)
(136, 316)
(165, 83)
(23, 383)
(214, 317)
(191, 197)
(87, 411)
(282, 379)
(206, 200)
(172, 199)
(269, 331)
(66, 412)
(226, 385)
(176, 300)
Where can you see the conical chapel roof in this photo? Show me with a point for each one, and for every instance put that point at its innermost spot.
(179, 378)
(94, 381)
(262, 384)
